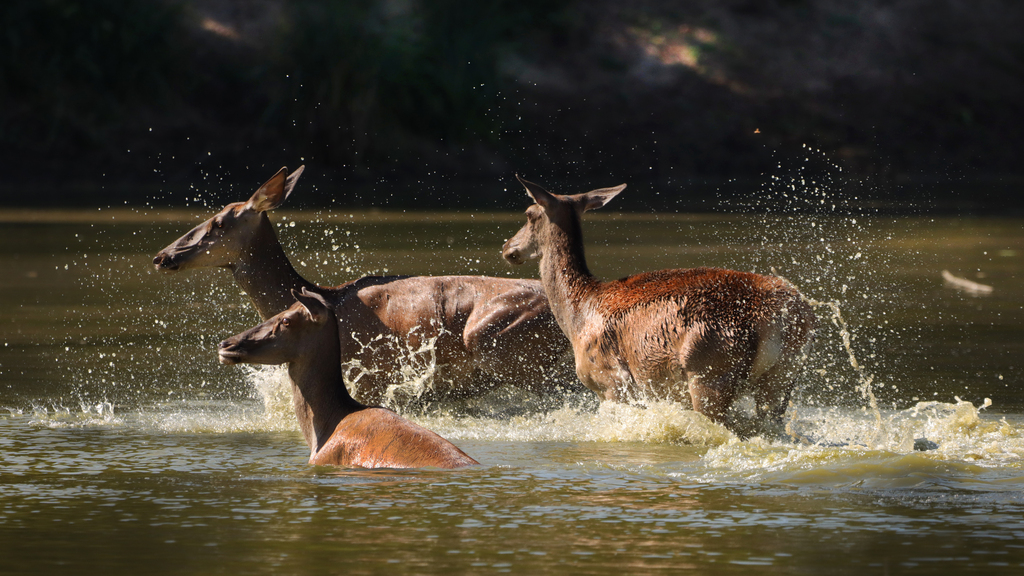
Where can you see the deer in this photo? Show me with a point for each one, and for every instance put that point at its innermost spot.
(339, 430)
(486, 331)
(699, 336)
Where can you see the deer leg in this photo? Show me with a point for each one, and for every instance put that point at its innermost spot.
(772, 392)
(713, 395)
(516, 348)
(773, 389)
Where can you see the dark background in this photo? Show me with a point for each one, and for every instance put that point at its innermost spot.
(893, 106)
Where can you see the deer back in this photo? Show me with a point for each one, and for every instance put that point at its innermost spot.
(379, 438)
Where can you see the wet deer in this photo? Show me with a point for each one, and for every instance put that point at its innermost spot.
(339, 430)
(699, 336)
(485, 331)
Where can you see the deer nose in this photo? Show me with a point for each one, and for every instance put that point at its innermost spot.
(164, 262)
(511, 255)
(228, 353)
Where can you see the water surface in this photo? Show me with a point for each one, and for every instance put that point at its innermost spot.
(125, 445)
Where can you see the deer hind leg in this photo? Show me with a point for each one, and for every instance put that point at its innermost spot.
(773, 387)
(769, 373)
(773, 390)
(713, 394)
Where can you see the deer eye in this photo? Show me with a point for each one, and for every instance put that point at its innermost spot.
(285, 322)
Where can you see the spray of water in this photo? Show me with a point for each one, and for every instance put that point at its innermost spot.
(407, 380)
(864, 379)
(826, 249)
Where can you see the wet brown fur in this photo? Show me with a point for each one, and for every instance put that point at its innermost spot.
(700, 336)
(489, 331)
(379, 438)
(712, 287)
(339, 430)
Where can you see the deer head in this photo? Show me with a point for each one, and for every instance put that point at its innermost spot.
(282, 338)
(223, 239)
(552, 211)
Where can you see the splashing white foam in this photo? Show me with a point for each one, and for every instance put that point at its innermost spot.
(88, 416)
(655, 423)
(273, 388)
(834, 438)
(410, 378)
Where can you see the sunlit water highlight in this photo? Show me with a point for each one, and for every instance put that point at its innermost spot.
(123, 438)
(816, 439)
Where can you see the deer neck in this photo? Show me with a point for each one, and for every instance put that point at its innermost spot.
(565, 276)
(319, 396)
(265, 273)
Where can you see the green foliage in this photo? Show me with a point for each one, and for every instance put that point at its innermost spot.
(341, 80)
(70, 67)
(365, 73)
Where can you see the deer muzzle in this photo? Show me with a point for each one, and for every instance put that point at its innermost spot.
(512, 254)
(230, 352)
(164, 262)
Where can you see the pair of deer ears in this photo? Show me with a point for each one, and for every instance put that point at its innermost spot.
(315, 304)
(582, 202)
(275, 191)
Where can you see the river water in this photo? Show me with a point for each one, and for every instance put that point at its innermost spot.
(126, 446)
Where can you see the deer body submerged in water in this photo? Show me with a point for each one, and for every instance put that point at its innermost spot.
(485, 331)
(339, 430)
(699, 336)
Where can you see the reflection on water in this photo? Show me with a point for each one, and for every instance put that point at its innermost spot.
(124, 441)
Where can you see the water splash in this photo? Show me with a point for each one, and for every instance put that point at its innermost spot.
(864, 380)
(409, 378)
(271, 386)
(822, 229)
(657, 422)
(88, 415)
(847, 445)
(577, 421)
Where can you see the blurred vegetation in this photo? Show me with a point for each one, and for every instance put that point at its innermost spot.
(354, 84)
(70, 67)
(365, 80)
(416, 103)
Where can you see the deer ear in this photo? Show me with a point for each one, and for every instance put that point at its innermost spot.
(597, 198)
(289, 182)
(541, 196)
(274, 191)
(314, 304)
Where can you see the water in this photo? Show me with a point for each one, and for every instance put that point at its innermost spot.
(125, 445)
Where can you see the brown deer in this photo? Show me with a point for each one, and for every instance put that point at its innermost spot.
(339, 430)
(486, 331)
(699, 336)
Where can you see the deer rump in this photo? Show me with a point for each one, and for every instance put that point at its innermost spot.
(664, 329)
